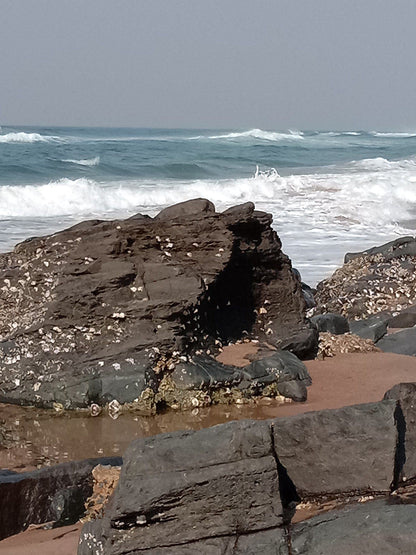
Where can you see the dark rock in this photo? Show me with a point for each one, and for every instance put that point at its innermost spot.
(373, 328)
(304, 343)
(187, 208)
(204, 372)
(405, 393)
(105, 309)
(264, 542)
(374, 528)
(343, 450)
(282, 368)
(187, 486)
(402, 342)
(334, 323)
(56, 493)
(405, 319)
(308, 295)
(282, 373)
(404, 246)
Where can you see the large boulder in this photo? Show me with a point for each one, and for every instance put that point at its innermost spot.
(404, 319)
(183, 487)
(376, 280)
(104, 309)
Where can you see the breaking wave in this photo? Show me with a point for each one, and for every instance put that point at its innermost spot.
(258, 134)
(22, 137)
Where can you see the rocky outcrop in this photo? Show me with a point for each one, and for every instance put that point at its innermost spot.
(53, 495)
(105, 310)
(378, 279)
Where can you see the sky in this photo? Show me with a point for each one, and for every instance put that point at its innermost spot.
(270, 64)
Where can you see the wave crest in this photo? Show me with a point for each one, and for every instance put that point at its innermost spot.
(87, 162)
(21, 137)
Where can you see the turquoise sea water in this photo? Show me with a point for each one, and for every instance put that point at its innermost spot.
(329, 191)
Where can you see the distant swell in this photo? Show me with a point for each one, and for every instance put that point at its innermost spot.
(87, 162)
(26, 138)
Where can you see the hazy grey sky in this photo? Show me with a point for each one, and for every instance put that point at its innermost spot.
(274, 64)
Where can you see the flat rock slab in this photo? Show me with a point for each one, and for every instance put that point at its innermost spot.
(372, 528)
(402, 342)
(187, 486)
(341, 450)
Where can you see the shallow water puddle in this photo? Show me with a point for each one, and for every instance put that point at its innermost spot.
(37, 437)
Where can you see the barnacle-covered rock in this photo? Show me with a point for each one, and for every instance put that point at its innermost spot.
(378, 280)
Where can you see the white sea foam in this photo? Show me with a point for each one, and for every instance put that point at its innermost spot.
(22, 137)
(392, 135)
(382, 164)
(367, 198)
(87, 162)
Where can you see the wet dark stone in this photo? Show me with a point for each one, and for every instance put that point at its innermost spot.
(53, 494)
(374, 327)
(333, 323)
(339, 450)
(401, 343)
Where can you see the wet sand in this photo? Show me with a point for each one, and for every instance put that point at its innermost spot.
(62, 541)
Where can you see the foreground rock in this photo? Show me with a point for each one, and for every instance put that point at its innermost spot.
(105, 310)
(53, 495)
(184, 487)
(378, 279)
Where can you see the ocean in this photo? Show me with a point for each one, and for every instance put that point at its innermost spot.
(330, 192)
